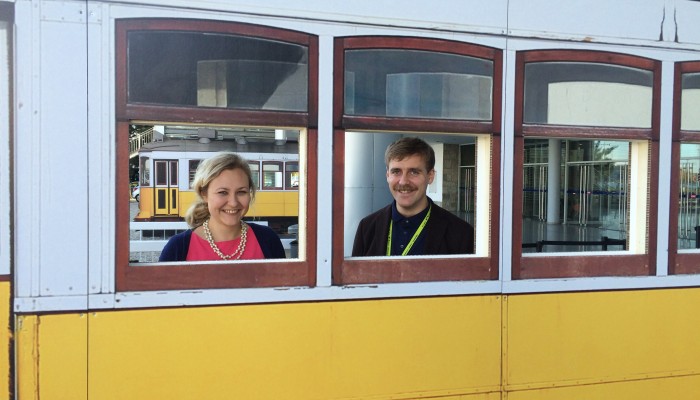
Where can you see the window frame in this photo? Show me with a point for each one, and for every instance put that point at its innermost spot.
(301, 272)
(349, 271)
(583, 265)
(680, 263)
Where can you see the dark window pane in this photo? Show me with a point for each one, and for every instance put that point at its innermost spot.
(216, 70)
(575, 93)
(413, 83)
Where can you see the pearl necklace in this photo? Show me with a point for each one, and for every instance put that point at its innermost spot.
(241, 245)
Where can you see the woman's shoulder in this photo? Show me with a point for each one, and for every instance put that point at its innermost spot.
(261, 230)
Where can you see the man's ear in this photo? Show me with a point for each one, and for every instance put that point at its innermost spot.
(431, 176)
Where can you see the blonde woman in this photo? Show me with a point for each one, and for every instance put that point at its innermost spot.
(224, 189)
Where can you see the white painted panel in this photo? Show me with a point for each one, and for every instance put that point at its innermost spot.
(461, 15)
(101, 156)
(63, 160)
(27, 186)
(594, 20)
(687, 14)
(5, 106)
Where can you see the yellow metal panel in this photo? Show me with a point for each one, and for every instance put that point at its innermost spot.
(5, 339)
(678, 388)
(187, 197)
(334, 350)
(597, 337)
(146, 205)
(52, 357)
(275, 203)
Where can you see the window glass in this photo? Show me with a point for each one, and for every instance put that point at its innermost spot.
(272, 175)
(255, 171)
(192, 170)
(414, 83)
(690, 102)
(689, 209)
(216, 70)
(291, 178)
(162, 207)
(575, 195)
(145, 173)
(589, 94)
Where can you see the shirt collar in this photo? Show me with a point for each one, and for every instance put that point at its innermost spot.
(417, 219)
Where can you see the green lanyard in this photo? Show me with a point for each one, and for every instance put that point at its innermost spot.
(413, 239)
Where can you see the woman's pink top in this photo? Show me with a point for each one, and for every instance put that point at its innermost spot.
(200, 250)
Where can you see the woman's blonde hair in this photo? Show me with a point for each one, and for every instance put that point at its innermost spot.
(207, 171)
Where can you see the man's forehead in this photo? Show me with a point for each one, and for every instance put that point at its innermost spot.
(412, 161)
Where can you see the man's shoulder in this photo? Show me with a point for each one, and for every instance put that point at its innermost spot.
(378, 215)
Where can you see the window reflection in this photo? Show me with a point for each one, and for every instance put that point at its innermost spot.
(575, 195)
(690, 102)
(577, 93)
(166, 189)
(413, 83)
(216, 70)
(689, 210)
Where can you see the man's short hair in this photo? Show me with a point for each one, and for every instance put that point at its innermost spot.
(408, 146)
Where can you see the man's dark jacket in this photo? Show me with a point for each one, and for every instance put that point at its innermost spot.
(445, 233)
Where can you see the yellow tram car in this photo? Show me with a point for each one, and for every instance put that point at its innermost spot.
(554, 124)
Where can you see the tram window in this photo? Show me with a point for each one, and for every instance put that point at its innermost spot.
(193, 164)
(255, 171)
(689, 197)
(684, 226)
(216, 70)
(233, 78)
(145, 166)
(587, 94)
(586, 149)
(291, 175)
(575, 195)
(272, 175)
(390, 88)
(453, 189)
(441, 85)
(690, 101)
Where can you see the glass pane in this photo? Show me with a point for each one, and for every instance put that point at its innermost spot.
(161, 211)
(216, 70)
(272, 175)
(193, 169)
(689, 215)
(145, 167)
(255, 171)
(412, 83)
(291, 178)
(575, 195)
(173, 173)
(367, 188)
(690, 102)
(574, 93)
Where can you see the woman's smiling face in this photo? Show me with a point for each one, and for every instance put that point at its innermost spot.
(228, 198)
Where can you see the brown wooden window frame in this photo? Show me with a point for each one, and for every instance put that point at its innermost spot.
(220, 275)
(583, 265)
(399, 269)
(680, 263)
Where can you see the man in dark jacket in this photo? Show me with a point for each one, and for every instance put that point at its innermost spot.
(412, 224)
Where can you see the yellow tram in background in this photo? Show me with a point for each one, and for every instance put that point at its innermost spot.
(557, 131)
(167, 168)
